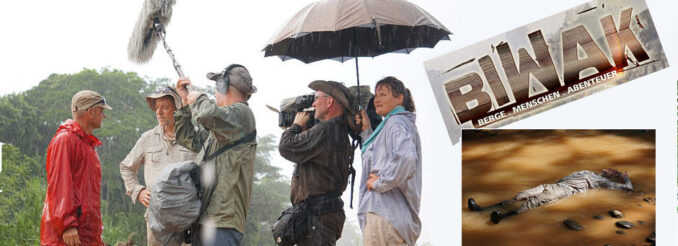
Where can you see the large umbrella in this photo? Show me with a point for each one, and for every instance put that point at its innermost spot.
(345, 29)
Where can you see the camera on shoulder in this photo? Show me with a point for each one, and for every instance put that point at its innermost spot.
(289, 108)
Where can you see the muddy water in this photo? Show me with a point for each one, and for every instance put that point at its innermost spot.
(495, 168)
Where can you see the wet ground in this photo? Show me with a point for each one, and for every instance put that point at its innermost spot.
(498, 164)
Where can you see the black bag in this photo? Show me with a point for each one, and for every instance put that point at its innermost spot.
(295, 223)
(292, 225)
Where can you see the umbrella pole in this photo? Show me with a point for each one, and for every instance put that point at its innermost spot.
(357, 75)
(357, 70)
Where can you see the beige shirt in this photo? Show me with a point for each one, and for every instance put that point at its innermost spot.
(154, 151)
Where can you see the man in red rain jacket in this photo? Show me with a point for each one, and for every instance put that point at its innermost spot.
(71, 213)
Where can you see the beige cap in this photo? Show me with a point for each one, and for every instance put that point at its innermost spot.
(163, 92)
(86, 99)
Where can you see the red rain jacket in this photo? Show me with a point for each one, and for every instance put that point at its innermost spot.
(73, 187)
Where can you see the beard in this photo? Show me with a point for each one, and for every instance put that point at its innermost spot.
(165, 121)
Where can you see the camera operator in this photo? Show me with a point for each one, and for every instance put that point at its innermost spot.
(322, 155)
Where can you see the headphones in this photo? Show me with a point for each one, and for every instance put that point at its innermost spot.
(223, 82)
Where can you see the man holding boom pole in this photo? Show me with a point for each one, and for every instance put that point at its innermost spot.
(227, 144)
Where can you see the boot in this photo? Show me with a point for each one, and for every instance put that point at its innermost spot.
(497, 216)
(473, 206)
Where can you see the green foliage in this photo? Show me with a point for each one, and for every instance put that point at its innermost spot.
(29, 120)
(23, 189)
(18, 120)
(270, 196)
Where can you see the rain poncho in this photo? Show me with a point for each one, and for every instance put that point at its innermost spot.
(73, 187)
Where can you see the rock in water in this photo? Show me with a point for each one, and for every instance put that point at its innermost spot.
(616, 213)
(598, 217)
(573, 225)
(620, 232)
(624, 224)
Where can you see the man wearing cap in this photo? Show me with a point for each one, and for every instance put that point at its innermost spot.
(71, 214)
(322, 155)
(155, 149)
(225, 138)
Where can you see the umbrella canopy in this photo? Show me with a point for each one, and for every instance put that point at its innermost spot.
(344, 29)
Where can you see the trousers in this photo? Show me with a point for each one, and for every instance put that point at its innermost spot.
(378, 232)
(219, 236)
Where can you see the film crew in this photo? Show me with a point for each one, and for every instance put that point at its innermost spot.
(225, 138)
(321, 155)
(576, 182)
(154, 149)
(390, 188)
(71, 214)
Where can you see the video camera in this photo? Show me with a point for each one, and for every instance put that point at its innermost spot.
(291, 106)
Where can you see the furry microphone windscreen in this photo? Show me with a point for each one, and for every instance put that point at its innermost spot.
(144, 38)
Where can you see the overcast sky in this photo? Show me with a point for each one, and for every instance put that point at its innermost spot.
(44, 37)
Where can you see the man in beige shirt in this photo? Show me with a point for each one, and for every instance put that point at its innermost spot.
(155, 149)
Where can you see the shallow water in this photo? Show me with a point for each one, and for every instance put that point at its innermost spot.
(495, 168)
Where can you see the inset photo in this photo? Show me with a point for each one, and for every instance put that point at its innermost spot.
(558, 187)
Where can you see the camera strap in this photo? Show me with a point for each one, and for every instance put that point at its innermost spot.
(245, 139)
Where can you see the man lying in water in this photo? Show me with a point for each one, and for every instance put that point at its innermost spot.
(576, 182)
